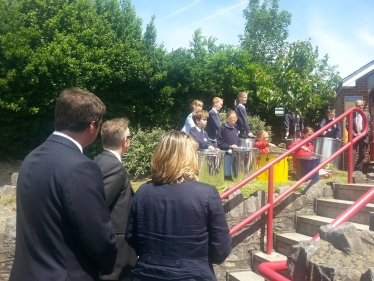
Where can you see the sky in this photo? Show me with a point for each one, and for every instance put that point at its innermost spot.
(343, 29)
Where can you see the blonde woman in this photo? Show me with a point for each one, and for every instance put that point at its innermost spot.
(241, 112)
(177, 225)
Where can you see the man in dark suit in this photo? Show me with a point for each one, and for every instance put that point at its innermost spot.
(358, 126)
(64, 231)
(115, 136)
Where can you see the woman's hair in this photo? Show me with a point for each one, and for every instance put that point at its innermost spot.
(240, 95)
(198, 103)
(261, 134)
(307, 130)
(175, 159)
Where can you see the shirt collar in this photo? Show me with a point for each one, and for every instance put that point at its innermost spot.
(215, 110)
(115, 153)
(69, 138)
(241, 105)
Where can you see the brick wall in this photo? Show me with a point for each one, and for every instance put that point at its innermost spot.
(360, 90)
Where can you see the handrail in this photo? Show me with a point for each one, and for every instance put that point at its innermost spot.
(271, 203)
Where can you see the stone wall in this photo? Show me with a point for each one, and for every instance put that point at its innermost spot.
(252, 237)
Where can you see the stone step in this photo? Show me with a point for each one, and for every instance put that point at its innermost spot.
(332, 208)
(260, 257)
(310, 224)
(245, 275)
(284, 241)
(350, 191)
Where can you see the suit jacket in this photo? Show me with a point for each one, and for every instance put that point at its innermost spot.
(119, 194)
(354, 127)
(178, 231)
(242, 123)
(64, 231)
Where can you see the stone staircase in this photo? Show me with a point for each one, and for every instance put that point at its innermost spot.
(307, 226)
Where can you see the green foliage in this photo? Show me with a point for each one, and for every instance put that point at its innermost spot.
(138, 158)
(266, 30)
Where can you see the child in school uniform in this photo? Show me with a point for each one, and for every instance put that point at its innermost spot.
(262, 143)
(214, 122)
(188, 124)
(228, 134)
(200, 119)
(307, 150)
(241, 112)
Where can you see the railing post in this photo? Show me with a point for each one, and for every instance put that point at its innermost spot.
(269, 245)
(350, 149)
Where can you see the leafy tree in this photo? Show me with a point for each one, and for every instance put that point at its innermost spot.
(266, 30)
(301, 81)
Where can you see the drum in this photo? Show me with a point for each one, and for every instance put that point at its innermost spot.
(211, 164)
(280, 169)
(244, 162)
(289, 142)
(304, 165)
(249, 142)
(326, 147)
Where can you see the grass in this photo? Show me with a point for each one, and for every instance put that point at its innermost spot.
(256, 185)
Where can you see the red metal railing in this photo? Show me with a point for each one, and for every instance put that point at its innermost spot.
(268, 270)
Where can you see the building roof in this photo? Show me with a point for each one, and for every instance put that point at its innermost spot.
(350, 80)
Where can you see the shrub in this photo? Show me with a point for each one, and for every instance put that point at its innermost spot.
(138, 158)
(255, 123)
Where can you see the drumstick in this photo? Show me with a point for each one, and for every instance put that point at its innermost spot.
(308, 151)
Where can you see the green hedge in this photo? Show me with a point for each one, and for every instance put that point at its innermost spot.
(138, 158)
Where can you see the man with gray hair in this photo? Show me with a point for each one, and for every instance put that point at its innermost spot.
(115, 135)
(357, 128)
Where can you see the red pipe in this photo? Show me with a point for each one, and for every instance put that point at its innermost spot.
(269, 244)
(268, 270)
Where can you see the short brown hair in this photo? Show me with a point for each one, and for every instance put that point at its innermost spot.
(114, 131)
(307, 130)
(175, 159)
(200, 114)
(76, 109)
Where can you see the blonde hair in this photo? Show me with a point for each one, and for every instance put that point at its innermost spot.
(239, 96)
(114, 131)
(198, 103)
(230, 113)
(216, 100)
(261, 134)
(200, 114)
(175, 159)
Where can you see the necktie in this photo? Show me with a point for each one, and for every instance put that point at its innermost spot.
(359, 123)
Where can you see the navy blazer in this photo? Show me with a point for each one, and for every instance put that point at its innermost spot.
(64, 231)
(227, 136)
(178, 231)
(213, 124)
(201, 137)
(242, 123)
(334, 131)
(119, 194)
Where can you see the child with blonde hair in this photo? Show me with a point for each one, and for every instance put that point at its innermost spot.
(196, 106)
(262, 142)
